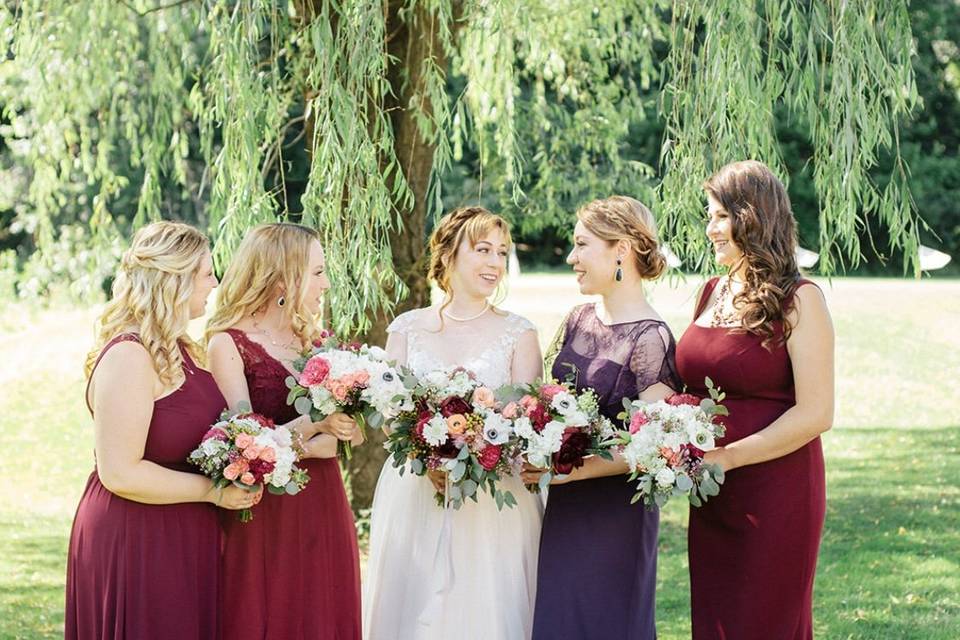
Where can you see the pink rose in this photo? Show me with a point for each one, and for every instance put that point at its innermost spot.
(252, 452)
(231, 471)
(339, 390)
(362, 377)
(484, 397)
(216, 434)
(550, 390)
(678, 399)
(244, 440)
(315, 371)
(511, 411)
(247, 478)
(638, 420)
(268, 454)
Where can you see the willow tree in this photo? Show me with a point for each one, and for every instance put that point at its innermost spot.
(547, 93)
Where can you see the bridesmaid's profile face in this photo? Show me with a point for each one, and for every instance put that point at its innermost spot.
(317, 280)
(720, 233)
(204, 282)
(593, 259)
(479, 268)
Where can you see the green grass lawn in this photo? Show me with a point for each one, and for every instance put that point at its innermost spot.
(890, 560)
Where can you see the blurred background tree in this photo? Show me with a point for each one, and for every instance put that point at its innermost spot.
(367, 119)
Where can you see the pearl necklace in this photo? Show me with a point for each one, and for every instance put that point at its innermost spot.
(486, 307)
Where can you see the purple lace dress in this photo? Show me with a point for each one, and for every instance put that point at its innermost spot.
(598, 553)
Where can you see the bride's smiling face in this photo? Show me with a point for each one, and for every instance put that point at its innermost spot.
(478, 268)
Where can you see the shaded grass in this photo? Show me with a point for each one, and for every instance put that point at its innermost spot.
(889, 560)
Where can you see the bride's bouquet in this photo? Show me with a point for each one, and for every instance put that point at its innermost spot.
(350, 378)
(453, 426)
(554, 427)
(248, 450)
(664, 444)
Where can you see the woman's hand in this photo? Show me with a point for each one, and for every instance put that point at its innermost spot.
(720, 457)
(439, 480)
(531, 474)
(340, 426)
(235, 498)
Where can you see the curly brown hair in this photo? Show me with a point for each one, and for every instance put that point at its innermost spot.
(764, 228)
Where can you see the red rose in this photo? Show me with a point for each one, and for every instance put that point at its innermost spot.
(260, 468)
(678, 399)
(572, 451)
(490, 456)
(539, 417)
(448, 449)
(692, 451)
(454, 405)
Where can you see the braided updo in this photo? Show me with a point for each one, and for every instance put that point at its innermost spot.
(623, 218)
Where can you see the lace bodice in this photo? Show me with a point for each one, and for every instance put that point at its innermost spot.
(487, 351)
(266, 378)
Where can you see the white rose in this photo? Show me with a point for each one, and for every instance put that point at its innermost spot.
(665, 477)
(523, 427)
(377, 353)
(435, 431)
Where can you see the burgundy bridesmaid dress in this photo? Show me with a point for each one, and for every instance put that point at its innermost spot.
(753, 549)
(293, 572)
(146, 571)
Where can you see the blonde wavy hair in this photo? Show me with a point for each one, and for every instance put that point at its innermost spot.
(151, 295)
(471, 222)
(271, 256)
(623, 218)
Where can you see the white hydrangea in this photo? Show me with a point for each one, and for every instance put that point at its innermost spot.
(523, 427)
(665, 477)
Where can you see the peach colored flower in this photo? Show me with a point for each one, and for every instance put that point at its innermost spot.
(244, 440)
(550, 390)
(252, 452)
(231, 471)
(268, 454)
(484, 397)
(456, 424)
(511, 411)
(528, 402)
(339, 390)
(247, 478)
(362, 377)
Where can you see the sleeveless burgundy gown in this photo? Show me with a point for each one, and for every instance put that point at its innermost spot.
(753, 549)
(293, 572)
(143, 571)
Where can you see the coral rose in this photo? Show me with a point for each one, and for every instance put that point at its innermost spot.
(484, 397)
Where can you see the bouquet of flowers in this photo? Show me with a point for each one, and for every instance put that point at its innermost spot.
(555, 427)
(454, 426)
(248, 450)
(664, 445)
(349, 378)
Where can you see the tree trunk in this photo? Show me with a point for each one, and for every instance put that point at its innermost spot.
(411, 41)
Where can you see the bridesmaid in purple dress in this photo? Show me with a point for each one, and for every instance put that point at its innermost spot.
(764, 336)
(598, 553)
(294, 570)
(144, 552)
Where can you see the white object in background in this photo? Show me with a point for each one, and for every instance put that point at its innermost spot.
(513, 263)
(806, 258)
(672, 260)
(931, 259)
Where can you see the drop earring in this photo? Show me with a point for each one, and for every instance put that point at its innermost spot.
(618, 276)
(281, 301)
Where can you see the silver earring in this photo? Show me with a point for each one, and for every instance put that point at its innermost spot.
(618, 276)
(281, 301)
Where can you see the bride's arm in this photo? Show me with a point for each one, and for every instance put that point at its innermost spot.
(527, 364)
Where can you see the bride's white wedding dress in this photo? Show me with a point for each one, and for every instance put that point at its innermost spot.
(436, 574)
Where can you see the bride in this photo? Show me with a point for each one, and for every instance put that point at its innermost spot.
(436, 573)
